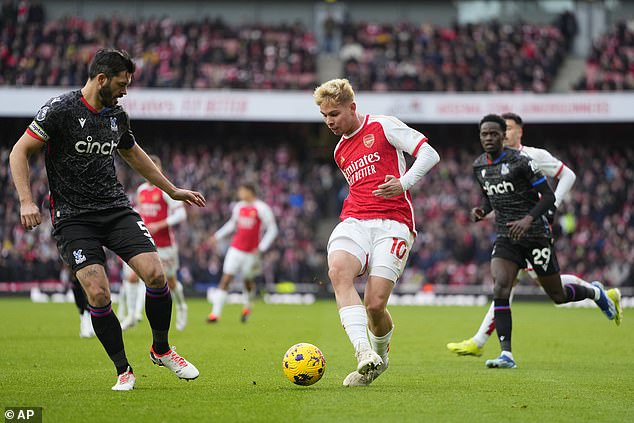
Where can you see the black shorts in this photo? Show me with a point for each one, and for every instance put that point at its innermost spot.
(80, 239)
(539, 253)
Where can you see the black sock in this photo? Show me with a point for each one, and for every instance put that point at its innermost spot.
(108, 330)
(158, 308)
(503, 322)
(575, 292)
(80, 296)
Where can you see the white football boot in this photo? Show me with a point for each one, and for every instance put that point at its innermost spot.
(357, 379)
(368, 360)
(125, 381)
(181, 367)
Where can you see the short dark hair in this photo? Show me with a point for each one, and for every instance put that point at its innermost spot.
(495, 119)
(514, 117)
(248, 186)
(110, 62)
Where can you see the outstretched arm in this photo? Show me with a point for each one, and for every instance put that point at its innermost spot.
(566, 179)
(141, 162)
(19, 161)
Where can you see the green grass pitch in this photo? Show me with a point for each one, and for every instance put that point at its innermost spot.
(574, 366)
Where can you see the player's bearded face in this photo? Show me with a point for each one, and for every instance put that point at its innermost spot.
(106, 96)
(114, 88)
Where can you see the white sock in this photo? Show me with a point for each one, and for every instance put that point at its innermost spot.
(140, 300)
(566, 279)
(355, 321)
(177, 294)
(248, 297)
(131, 294)
(122, 308)
(381, 344)
(219, 301)
(487, 326)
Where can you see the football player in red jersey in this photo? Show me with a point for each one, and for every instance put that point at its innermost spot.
(377, 225)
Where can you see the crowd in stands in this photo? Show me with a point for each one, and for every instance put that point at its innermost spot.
(610, 65)
(209, 53)
(489, 56)
(202, 53)
(595, 226)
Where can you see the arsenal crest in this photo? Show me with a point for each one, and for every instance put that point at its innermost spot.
(368, 140)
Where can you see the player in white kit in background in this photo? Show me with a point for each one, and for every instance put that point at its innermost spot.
(159, 213)
(551, 167)
(255, 229)
(377, 225)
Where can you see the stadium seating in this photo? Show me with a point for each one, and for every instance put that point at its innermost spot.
(191, 54)
(610, 65)
(208, 53)
(489, 56)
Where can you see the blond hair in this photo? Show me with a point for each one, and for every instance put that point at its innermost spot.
(335, 91)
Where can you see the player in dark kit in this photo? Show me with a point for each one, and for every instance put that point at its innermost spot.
(517, 191)
(89, 208)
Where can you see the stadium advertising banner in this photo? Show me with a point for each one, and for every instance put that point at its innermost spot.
(294, 106)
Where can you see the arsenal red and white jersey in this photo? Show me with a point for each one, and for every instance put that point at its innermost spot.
(154, 205)
(366, 157)
(248, 220)
(546, 162)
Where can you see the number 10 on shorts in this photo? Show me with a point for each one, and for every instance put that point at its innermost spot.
(399, 248)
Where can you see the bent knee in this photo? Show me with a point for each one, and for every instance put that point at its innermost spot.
(155, 278)
(375, 309)
(339, 274)
(98, 296)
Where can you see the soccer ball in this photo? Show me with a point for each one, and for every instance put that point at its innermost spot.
(304, 364)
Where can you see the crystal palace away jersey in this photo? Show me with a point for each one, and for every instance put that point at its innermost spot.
(508, 184)
(80, 145)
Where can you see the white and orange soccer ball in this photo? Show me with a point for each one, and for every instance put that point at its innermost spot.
(304, 364)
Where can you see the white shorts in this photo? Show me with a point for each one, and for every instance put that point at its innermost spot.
(241, 264)
(169, 260)
(381, 245)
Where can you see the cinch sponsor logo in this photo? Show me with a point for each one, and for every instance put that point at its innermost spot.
(94, 147)
(501, 188)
